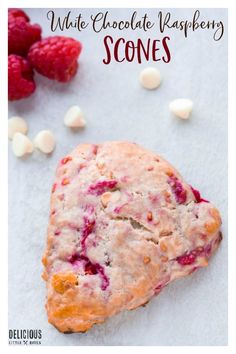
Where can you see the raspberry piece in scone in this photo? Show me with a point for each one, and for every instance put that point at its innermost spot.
(127, 225)
(197, 196)
(21, 33)
(178, 190)
(16, 13)
(101, 186)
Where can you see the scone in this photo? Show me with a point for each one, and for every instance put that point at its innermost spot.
(123, 225)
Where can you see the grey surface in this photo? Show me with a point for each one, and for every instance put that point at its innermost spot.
(191, 311)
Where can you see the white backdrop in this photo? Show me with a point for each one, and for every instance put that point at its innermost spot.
(191, 311)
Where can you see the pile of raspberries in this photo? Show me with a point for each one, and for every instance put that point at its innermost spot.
(54, 57)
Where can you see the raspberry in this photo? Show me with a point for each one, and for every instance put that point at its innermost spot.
(56, 57)
(20, 78)
(75, 258)
(21, 35)
(16, 13)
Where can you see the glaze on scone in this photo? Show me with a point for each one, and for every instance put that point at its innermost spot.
(123, 224)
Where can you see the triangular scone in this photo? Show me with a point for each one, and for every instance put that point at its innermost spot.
(123, 224)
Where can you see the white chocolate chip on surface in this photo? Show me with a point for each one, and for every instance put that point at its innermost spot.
(16, 125)
(21, 145)
(181, 107)
(150, 78)
(105, 198)
(45, 141)
(74, 118)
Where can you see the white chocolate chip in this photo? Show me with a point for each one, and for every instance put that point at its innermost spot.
(181, 107)
(45, 141)
(21, 145)
(150, 78)
(110, 197)
(74, 118)
(16, 125)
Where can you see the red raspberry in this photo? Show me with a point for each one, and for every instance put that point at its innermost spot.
(20, 78)
(21, 35)
(15, 13)
(56, 57)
